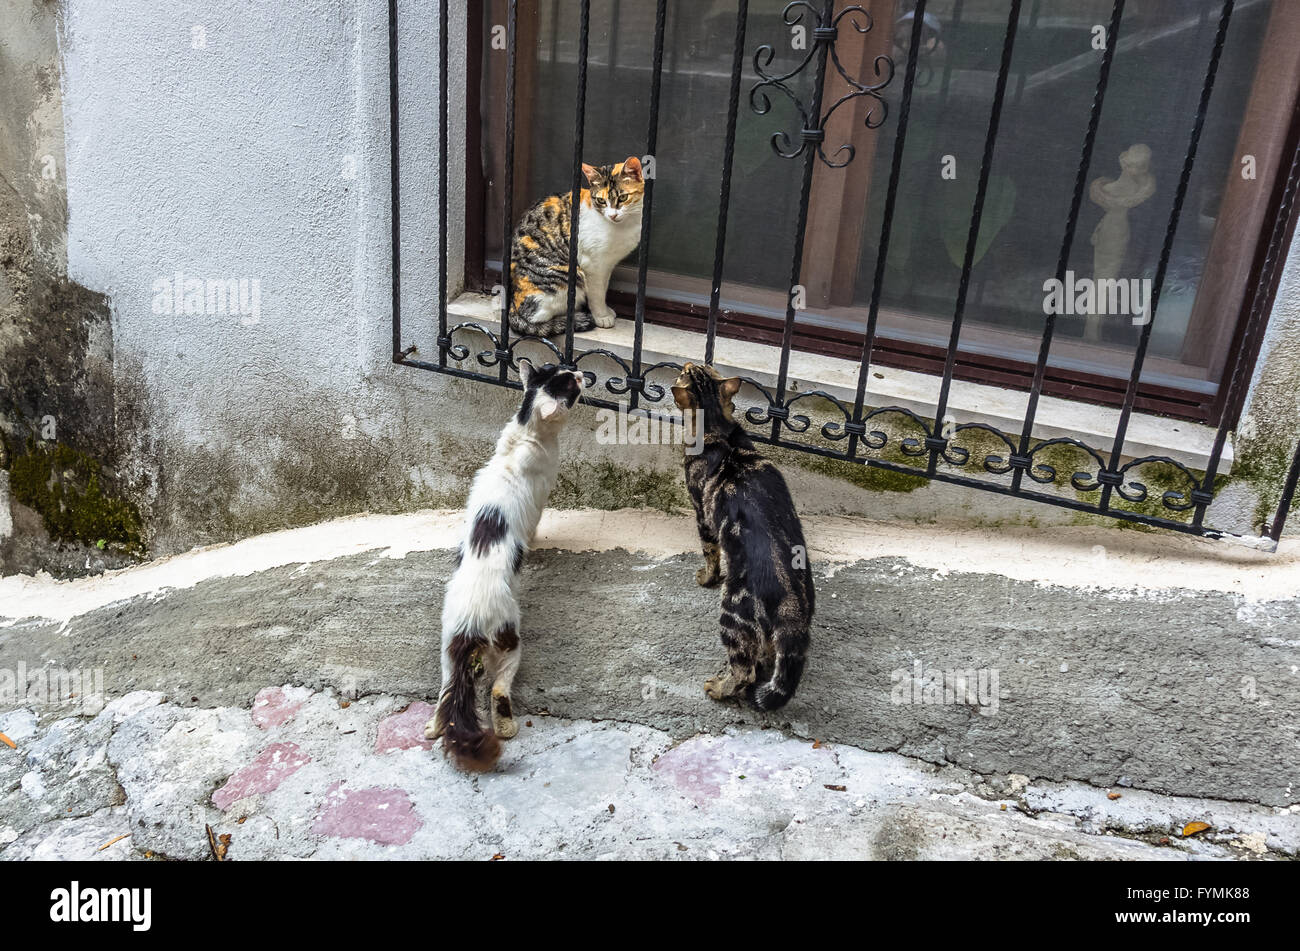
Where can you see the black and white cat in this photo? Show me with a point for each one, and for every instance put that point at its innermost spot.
(480, 612)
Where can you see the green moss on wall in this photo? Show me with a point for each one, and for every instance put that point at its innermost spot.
(602, 484)
(866, 477)
(63, 486)
(1264, 467)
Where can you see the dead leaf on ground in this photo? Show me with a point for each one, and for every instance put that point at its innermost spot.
(498, 857)
(1194, 827)
(817, 744)
(219, 844)
(8, 742)
(113, 842)
(1113, 795)
(833, 788)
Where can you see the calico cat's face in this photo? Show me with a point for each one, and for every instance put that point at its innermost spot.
(616, 190)
(703, 388)
(549, 392)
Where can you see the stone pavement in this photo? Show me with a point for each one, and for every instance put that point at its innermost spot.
(963, 713)
(304, 774)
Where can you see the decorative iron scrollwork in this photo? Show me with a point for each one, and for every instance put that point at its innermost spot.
(766, 407)
(825, 34)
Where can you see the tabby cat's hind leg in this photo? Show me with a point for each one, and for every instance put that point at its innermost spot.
(742, 639)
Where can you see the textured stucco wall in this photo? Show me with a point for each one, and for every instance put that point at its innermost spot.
(1272, 411)
(231, 140)
(31, 130)
(56, 374)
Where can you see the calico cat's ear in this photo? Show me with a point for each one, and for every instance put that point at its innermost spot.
(682, 396)
(525, 371)
(592, 173)
(632, 168)
(729, 388)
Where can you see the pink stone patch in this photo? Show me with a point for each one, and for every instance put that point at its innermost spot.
(700, 768)
(273, 766)
(380, 815)
(405, 730)
(276, 705)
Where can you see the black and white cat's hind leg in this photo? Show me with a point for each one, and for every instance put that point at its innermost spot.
(503, 663)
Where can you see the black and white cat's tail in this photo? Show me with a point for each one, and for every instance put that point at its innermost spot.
(463, 737)
(791, 648)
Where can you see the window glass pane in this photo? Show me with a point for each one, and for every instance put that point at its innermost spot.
(1155, 83)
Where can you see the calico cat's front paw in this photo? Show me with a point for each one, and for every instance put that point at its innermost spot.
(604, 317)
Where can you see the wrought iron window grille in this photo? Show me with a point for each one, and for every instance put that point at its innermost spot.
(774, 417)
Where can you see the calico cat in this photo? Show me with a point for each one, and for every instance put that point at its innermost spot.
(609, 229)
(753, 542)
(480, 612)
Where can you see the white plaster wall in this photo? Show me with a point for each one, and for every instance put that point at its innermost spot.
(1273, 403)
(260, 152)
(263, 155)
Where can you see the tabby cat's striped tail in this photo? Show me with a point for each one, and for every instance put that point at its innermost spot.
(791, 650)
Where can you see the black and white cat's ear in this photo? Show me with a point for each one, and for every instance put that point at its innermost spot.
(729, 388)
(526, 371)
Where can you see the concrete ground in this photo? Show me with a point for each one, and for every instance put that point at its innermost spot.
(999, 695)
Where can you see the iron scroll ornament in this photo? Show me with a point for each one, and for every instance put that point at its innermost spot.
(825, 33)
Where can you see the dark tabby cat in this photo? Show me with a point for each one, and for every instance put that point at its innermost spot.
(609, 229)
(753, 543)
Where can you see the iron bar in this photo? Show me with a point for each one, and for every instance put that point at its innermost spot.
(936, 442)
(887, 223)
(508, 193)
(575, 206)
(1067, 242)
(394, 180)
(647, 202)
(1288, 496)
(801, 224)
(724, 189)
(443, 95)
(1111, 475)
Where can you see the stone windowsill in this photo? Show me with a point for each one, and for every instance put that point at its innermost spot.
(1148, 435)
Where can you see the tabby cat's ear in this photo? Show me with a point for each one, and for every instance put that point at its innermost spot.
(729, 388)
(682, 396)
(525, 371)
(632, 168)
(591, 172)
